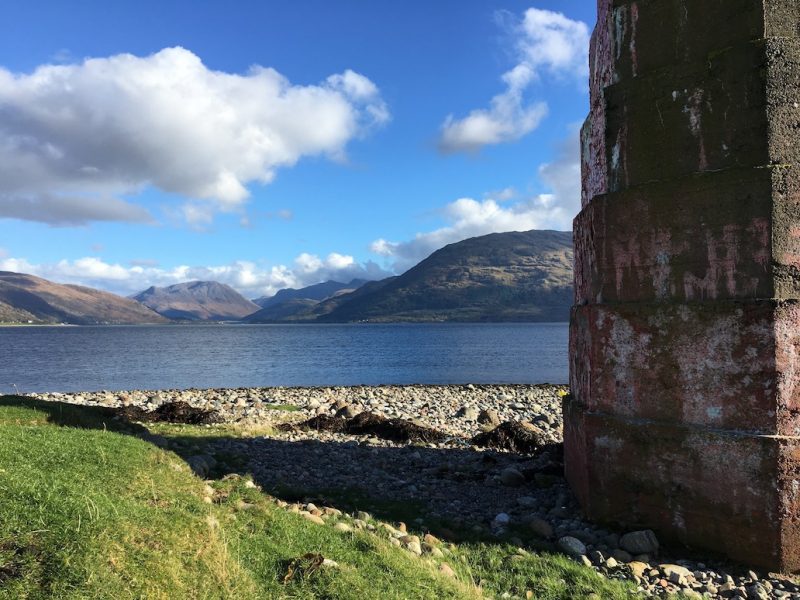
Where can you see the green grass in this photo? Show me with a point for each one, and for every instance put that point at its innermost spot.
(89, 510)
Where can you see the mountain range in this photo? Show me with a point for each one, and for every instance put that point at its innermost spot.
(197, 301)
(515, 276)
(25, 298)
(316, 292)
(287, 304)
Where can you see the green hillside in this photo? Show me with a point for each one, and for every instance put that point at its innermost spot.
(516, 276)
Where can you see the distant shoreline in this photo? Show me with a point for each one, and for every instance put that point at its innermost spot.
(38, 325)
(292, 323)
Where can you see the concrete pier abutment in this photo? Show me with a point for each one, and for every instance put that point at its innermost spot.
(685, 334)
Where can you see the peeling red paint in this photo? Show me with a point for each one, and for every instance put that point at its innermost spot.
(619, 161)
(703, 487)
(632, 45)
(787, 367)
(593, 155)
(716, 364)
(685, 335)
(722, 261)
(632, 249)
(694, 109)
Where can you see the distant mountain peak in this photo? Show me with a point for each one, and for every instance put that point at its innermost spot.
(316, 292)
(197, 301)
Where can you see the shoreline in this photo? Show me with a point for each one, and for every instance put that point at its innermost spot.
(206, 322)
(453, 408)
(2, 325)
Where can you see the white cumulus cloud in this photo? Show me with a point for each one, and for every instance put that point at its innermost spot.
(547, 43)
(76, 137)
(249, 278)
(468, 217)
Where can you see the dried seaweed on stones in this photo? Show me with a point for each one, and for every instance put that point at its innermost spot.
(366, 423)
(522, 438)
(134, 413)
(400, 430)
(318, 423)
(363, 423)
(171, 412)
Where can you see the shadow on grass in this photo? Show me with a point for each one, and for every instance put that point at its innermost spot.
(67, 415)
(451, 493)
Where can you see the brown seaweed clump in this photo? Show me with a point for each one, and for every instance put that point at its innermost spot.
(514, 436)
(171, 412)
(366, 423)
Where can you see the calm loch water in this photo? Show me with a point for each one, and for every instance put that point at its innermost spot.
(184, 356)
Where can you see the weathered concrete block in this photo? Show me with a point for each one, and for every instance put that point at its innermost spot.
(722, 365)
(736, 108)
(594, 172)
(781, 18)
(675, 122)
(654, 34)
(731, 491)
(685, 335)
(783, 103)
(698, 239)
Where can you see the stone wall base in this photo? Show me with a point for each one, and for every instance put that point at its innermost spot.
(724, 490)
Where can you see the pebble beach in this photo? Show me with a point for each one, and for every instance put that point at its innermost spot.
(486, 492)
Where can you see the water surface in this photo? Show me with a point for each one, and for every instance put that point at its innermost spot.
(185, 356)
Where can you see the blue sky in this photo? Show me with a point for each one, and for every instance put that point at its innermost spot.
(275, 144)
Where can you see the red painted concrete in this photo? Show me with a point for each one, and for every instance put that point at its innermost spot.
(593, 155)
(641, 244)
(723, 365)
(726, 491)
(685, 336)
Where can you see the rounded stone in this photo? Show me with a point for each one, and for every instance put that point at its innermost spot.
(511, 477)
(639, 542)
(572, 546)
